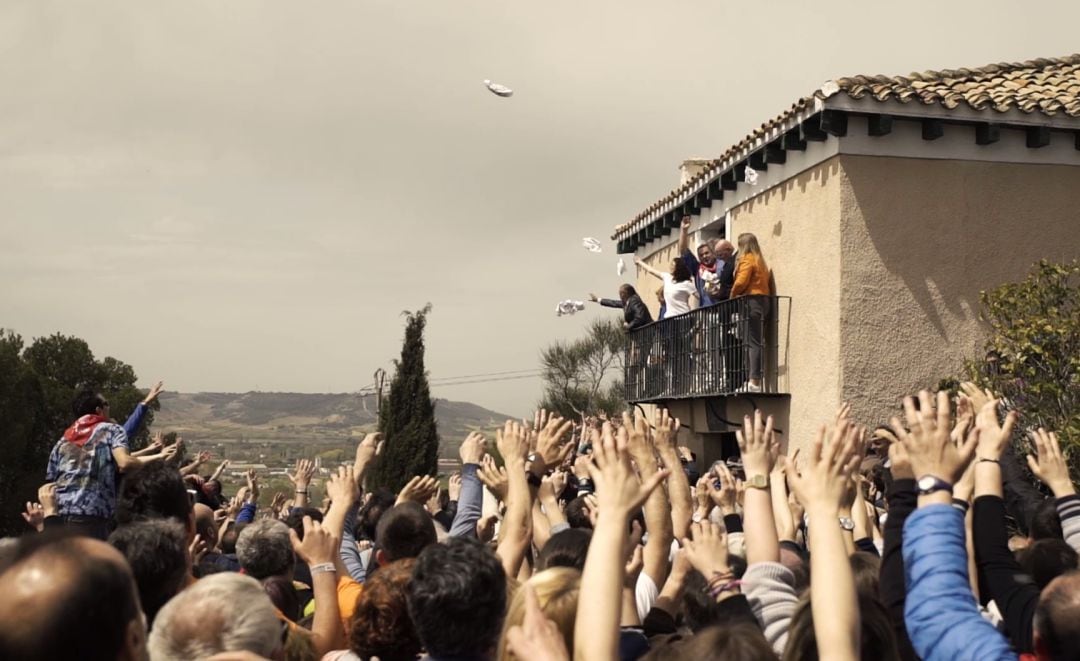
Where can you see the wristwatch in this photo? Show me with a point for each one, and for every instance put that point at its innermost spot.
(928, 484)
(847, 523)
(757, 482)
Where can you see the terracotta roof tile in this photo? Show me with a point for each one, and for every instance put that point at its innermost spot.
(1049, 86)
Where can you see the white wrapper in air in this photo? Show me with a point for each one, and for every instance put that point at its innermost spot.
(499, 90)
(620, 268)
(568, 307)
(591, 244)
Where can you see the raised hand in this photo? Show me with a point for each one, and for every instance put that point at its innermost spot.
(472, 449)
(277, 503)
(757, 444)
(1049, 464)
(454, 486)
(197, 549)
(639, 436)
(512, 442)
(366, 452)
(320, 545)
(726, 495)
(34, 516)
(551, 447)
(618, 490)
(537, 637)
(976, 395)
(155, 390)
(665, 432)
(495, 478)
(928, 445)
(47, 498)
(558, 481)
(434, 504)
(707, 549)
(252, 485)
(302, 474)
(418, 489)
(993, 438)
(822, 484)
(581, 466)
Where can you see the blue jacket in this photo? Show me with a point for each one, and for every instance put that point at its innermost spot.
(940, 612)
(470, 503)
(726, 273)
(134, 421)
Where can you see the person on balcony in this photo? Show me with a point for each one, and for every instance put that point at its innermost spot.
(680, 294)
(713, 266)
(635, 313)
(753, 279)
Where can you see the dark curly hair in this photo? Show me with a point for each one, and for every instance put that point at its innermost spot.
(680, 272)
(380, 625)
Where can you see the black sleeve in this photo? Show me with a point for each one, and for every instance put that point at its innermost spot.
(639, 313)
(611, 303)
(658, 623)
(866, 545)
(902, 500)
(727, 278)
(1000, 576)
(733, 523)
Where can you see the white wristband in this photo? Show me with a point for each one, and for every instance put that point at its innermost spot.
(324, 568)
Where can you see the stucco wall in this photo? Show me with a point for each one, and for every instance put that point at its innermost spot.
(920, 239)
(797, 225)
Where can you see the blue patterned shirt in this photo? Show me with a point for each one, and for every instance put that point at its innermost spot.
(85, 476)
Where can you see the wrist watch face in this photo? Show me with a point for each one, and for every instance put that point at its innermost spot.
(758, 482)
(847, 523)
(929, 484)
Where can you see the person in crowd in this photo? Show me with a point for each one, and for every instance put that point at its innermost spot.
(753, 279)
(381, 627)
(69, 597)
(662, 314)
(157, 552)
(555, 593)
(635, 312)
(680, 294)
(226, 612)
(457, 600)
(156, 492)
(713, 272)
(85, 463)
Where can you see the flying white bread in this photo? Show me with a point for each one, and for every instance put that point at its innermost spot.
(591, 244)
(499, 90)
(568, 307)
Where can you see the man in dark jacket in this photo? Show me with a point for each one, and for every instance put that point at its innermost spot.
(635, 314)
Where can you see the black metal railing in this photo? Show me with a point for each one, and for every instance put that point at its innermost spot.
(710, 351)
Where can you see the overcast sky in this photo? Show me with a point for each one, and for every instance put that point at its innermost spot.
(236, 195)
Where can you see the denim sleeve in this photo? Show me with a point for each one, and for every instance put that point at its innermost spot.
(134, 421)
(940, 612)
(53, 470)
(247, 513)
(350, 555)
(470, 503)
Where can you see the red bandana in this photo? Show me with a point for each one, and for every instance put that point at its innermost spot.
(83, 428)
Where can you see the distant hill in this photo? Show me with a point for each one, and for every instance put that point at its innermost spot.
(282, 417)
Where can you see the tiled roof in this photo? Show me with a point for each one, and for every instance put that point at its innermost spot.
(1049, 86)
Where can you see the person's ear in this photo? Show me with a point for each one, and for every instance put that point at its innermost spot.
(135, 640)
(380, 558)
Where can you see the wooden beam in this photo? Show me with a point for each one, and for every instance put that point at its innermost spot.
(932, 129)
(987, 134)
(689, 209)
(650, 231)
(758, 162)
(793, 140)
(716, 189)
(811, 129)
(669, 219)
(661, 228)
(740, 171)
(727, 181)
(878, 125)
(774, 153)
(834, 122)
(1038, 136)
(702, 199)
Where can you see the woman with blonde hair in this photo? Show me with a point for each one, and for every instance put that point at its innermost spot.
(556, 590)
(753, 279)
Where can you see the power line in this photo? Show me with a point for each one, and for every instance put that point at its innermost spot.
(466, 380)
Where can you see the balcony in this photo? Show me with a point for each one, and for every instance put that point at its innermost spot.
(706, 352)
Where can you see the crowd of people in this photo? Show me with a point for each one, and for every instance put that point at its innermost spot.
(600, 540)
(716, 273)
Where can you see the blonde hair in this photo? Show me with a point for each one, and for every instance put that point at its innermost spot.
(748, 243)
(557, 591)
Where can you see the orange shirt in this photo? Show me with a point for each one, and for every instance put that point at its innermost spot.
(751, 277)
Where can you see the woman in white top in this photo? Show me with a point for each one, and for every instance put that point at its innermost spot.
(680, 293)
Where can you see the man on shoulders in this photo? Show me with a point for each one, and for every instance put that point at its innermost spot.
(85, 464)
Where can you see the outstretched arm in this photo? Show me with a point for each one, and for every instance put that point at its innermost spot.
(684, 235)
(648, 269)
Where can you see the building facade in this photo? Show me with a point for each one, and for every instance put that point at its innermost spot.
(883, 207)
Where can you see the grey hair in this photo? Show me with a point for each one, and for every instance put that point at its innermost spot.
(264, 549)
(224, 612)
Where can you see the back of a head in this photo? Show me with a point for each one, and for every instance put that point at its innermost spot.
(567, 548)
(404, 531)
(367, 519)
(232, 533)
(1057, 619)
(205, 526)
(264, 549)
(225, 612)
(295, 520)
(1047, 559)
(158, 555)
(86, 402)
(1045, 521)
(381, 626)
(457, 598)
(866, 567)
(283, 595)
(877, 637)
(155, 491)
(577, 513)
(557, 592)
(748, 244)
(701, 611)
(65, 596)
(743, 641)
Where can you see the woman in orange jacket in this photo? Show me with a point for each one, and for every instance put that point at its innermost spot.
(753, 279)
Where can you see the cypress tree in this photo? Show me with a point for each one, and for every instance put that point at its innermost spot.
(407, 416)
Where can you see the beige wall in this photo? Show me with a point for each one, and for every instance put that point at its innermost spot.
(797, 225)
(920, 239)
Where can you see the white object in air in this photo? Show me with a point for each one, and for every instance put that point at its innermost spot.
(499, 90)
(751, 176)
(591, 244)
(620, 268)
(568, 307)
